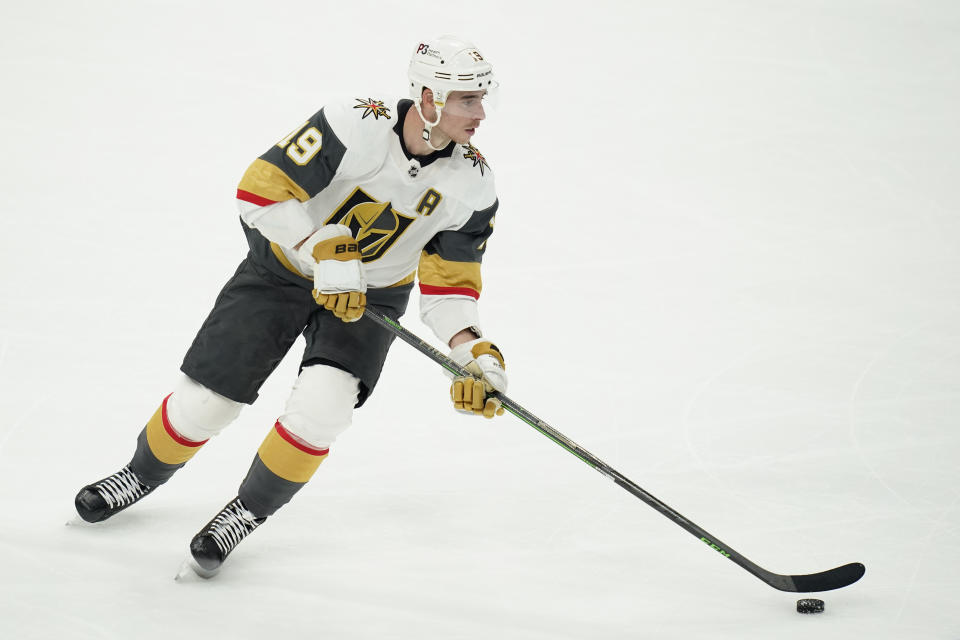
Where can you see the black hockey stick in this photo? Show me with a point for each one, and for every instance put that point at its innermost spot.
(823, 581)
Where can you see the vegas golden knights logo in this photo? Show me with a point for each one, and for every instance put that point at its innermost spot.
(375, 225)
(472, 153)
(372, 107)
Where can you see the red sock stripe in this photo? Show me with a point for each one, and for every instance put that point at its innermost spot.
(432, 290)
(179, 439)
(286, 435)
(260, 201)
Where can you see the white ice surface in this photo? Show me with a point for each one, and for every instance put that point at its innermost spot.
(726, 263)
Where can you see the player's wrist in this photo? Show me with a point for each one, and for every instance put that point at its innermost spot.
(464, 335)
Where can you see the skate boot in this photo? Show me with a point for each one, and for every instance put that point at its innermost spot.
(98, 501)
(213, 544)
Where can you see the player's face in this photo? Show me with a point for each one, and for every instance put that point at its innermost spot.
(462, 114)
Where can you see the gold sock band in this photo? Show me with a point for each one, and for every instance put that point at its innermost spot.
(165, 443)
(288, 458)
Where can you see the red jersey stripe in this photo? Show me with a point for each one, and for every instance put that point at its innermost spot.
(432, 290)
(260, 201)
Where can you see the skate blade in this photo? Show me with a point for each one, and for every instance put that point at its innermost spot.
(190, 570)
(77, 521)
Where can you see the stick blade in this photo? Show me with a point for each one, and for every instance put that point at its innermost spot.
(836, 578)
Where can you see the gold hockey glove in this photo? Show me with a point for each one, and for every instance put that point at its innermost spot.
(346, 306)
(339, 281)
(471, 394)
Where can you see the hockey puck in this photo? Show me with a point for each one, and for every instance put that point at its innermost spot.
(810, 605)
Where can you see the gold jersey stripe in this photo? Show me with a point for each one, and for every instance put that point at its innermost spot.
(282, 257)
(269, 181)
(168, 448)
(286, 459)
(437, 272)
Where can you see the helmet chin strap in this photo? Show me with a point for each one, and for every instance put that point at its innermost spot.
(428, 126)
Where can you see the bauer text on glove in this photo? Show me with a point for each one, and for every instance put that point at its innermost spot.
(339, 283)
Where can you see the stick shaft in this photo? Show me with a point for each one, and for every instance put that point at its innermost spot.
(824, 581)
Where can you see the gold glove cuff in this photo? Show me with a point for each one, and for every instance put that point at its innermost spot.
(340, 248)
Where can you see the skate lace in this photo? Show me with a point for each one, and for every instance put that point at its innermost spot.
(232, 525)
(122, 488)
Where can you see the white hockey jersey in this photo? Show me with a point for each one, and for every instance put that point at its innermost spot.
(430, 215)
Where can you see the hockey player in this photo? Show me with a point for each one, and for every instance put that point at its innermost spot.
(340, 214)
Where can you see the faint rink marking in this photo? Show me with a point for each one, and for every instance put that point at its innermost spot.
(738, 361)
(852, 402)
(938, 361)
(940, 525)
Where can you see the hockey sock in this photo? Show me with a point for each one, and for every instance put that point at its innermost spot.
(282, 466)
(161, 450)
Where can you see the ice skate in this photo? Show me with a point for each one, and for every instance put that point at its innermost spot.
(213, 544)
(102, 499)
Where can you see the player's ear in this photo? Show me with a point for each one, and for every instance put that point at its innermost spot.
(426, 96)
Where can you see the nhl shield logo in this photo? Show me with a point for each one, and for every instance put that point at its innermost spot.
(375, 225)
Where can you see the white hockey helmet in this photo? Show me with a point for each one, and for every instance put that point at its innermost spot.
(448, 63)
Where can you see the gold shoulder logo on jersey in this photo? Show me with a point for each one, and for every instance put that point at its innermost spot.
(375, 225)
(472, 153)
(373, 108)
